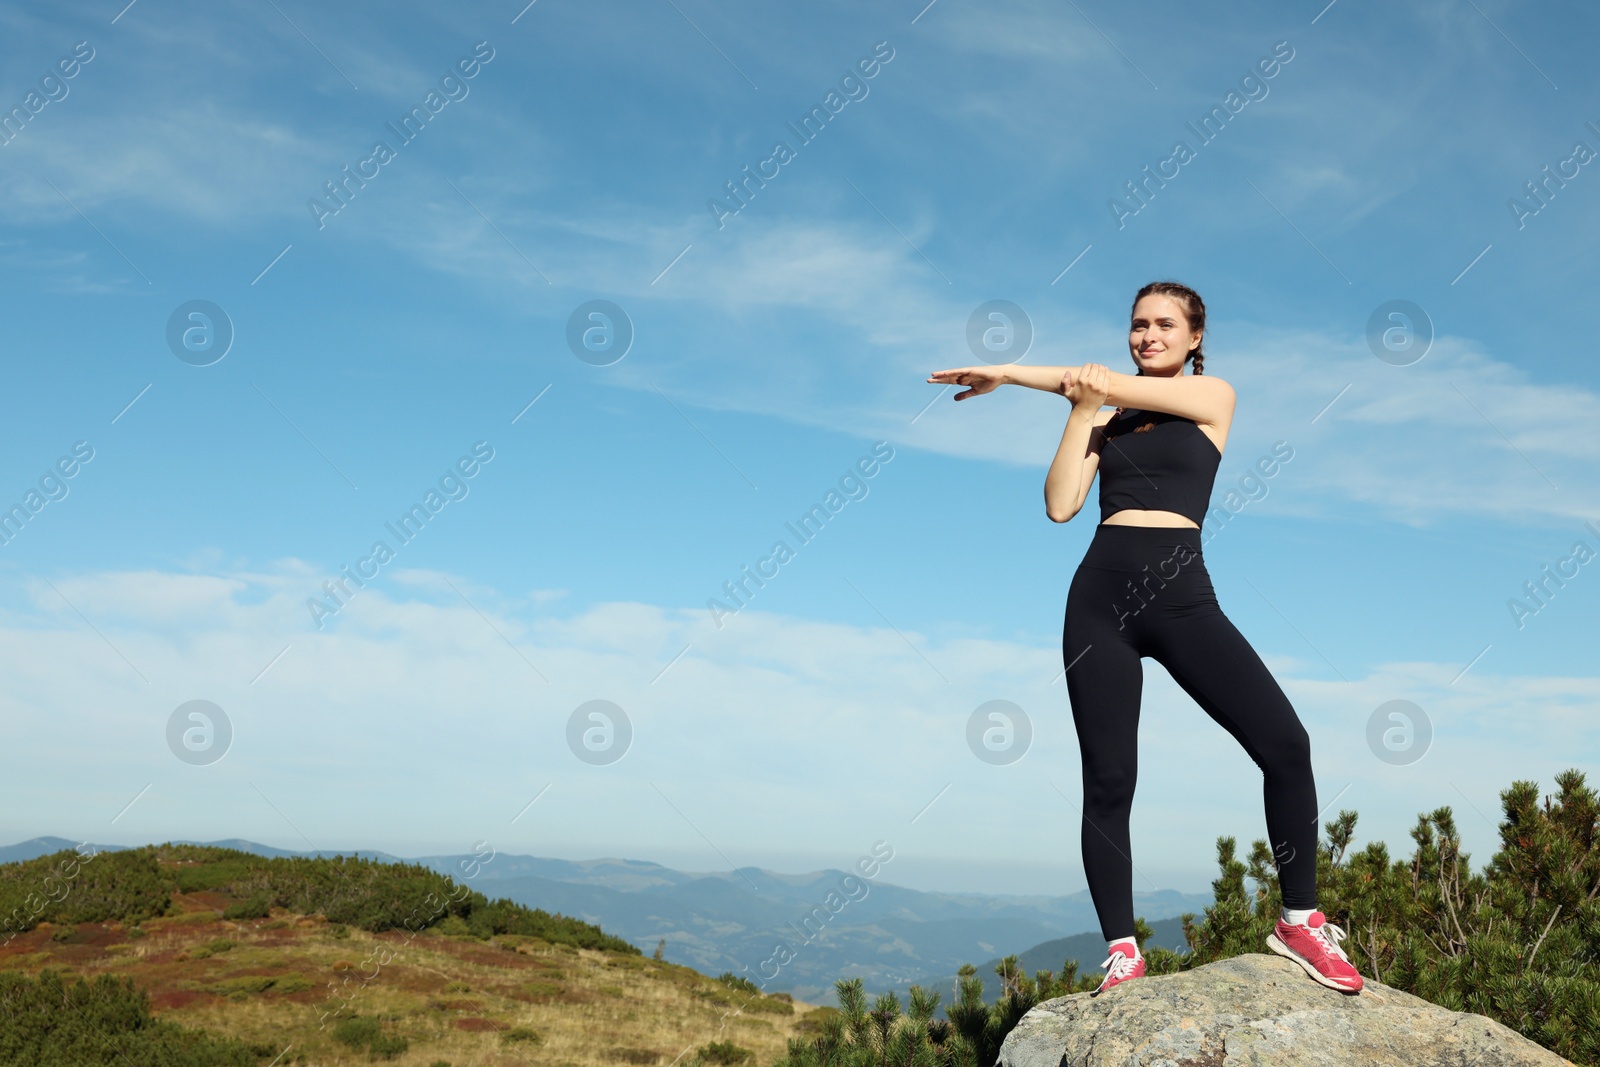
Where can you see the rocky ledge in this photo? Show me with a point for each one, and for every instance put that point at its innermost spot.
(1261, 1009)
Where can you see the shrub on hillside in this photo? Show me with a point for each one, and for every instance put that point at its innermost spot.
(453, 926)
(254, 907)
(364, 1032)
(521, 1035)
(1518, 942)
(72, 887)
(211, 948)
(136, 884)
(853, 1036)
(725, 1053)
(740, 982)
(46, 1023)
(487, 918)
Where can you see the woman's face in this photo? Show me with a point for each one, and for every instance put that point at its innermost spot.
(1159, 338)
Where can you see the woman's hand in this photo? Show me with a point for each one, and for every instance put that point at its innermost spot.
(977, 379)
(1089, 387)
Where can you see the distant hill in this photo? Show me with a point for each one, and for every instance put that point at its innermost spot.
(717, 922)
(892, 937)
(1087, 950)
(199, 956)
(43, 846)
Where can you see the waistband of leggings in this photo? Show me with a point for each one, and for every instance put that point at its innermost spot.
(1132, 546)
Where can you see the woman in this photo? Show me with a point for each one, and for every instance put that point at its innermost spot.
(1143, 590)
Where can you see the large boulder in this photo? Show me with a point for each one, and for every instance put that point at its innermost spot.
(1261, 1009)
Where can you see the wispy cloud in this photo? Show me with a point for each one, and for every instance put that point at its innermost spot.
(460, 706)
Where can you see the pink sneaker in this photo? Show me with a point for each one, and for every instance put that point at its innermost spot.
(1120, 966)
(1315, 947)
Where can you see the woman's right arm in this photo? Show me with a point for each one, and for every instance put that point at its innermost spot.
(1072, 471)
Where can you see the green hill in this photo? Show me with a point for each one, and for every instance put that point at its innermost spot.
(183, 955)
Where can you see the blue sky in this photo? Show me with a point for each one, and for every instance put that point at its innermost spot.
(773, 348)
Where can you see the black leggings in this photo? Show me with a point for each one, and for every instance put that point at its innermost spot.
(1144, 591)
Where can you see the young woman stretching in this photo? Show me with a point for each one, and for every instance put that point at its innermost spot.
(1143, 590)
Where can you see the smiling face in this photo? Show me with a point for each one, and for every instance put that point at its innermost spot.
(1159, 337)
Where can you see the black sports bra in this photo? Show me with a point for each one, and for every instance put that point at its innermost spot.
(1156, 461)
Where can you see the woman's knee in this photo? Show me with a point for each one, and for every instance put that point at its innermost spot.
(1108, 790)
(1289, 750)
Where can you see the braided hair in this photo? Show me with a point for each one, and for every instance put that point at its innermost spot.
(1194, 311)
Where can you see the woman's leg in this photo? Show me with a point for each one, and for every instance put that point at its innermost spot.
(1104, 678)
(1208, 656)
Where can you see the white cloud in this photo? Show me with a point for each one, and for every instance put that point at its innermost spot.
(1460, 433)
(207, 165)
(1464, 432)
(412, 721)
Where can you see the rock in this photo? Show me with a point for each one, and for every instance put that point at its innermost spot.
(1260, 1009)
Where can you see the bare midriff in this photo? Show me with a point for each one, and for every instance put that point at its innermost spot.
(1137, 517)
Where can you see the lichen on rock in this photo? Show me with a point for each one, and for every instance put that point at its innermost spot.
(1260, 1008)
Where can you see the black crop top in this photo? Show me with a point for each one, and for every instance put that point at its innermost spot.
(1156, 461)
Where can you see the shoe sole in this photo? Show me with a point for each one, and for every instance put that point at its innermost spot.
(1285, 951)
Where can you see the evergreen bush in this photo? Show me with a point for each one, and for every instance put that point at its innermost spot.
(1518, 942)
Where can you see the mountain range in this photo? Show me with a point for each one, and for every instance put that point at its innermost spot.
(790, 933)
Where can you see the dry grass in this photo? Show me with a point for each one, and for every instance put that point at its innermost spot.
(287, 980)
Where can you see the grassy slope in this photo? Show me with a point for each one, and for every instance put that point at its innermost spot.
(452, 997)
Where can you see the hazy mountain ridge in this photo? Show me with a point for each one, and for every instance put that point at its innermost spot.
(716, 921)
(1087, 949)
